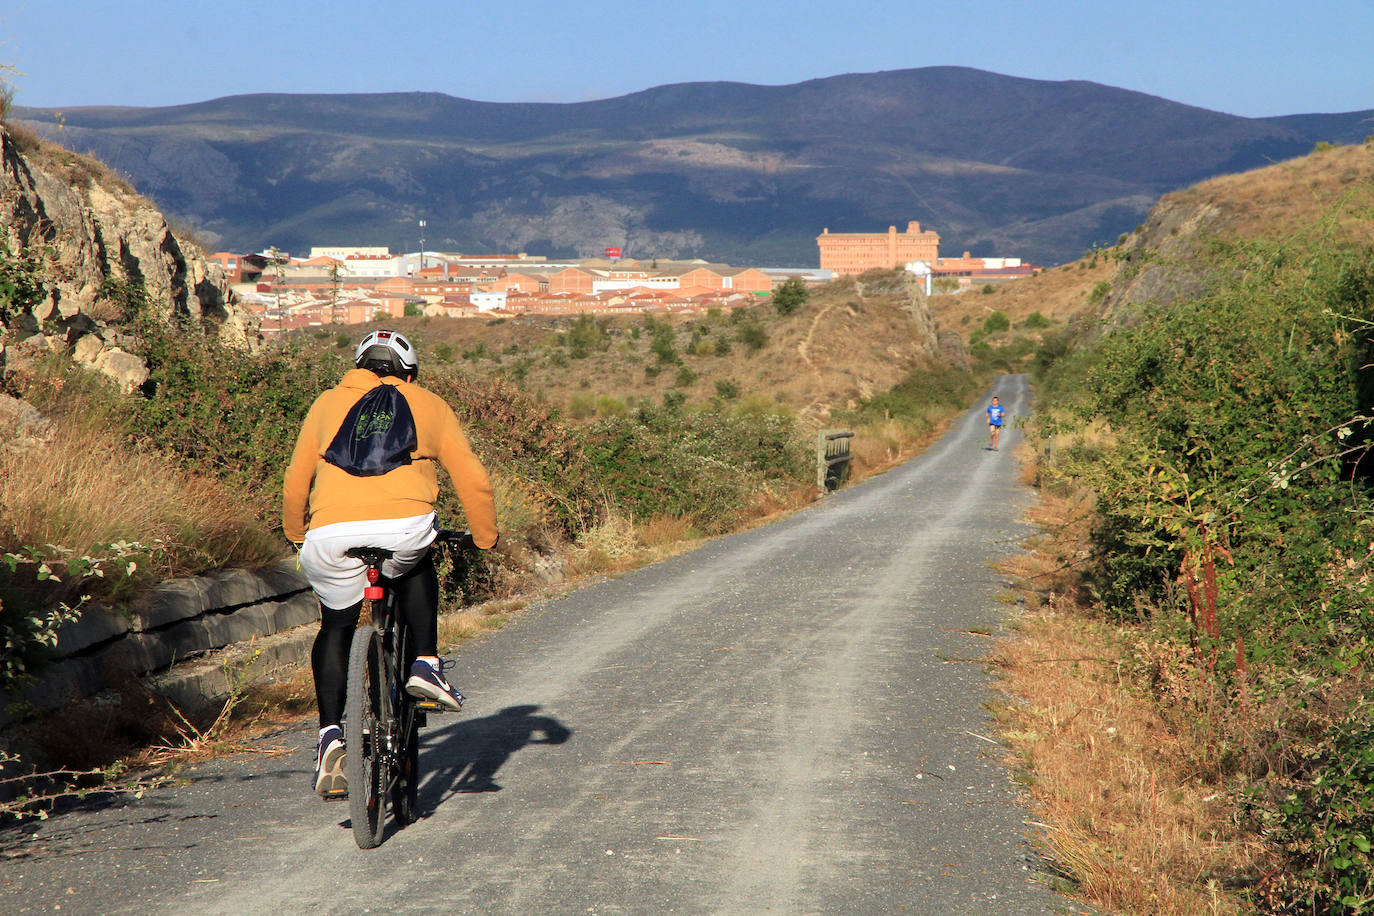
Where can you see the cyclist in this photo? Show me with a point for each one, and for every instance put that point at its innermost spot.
(995, 412)
(362, 474)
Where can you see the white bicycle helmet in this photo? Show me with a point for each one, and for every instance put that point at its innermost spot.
(387, 353)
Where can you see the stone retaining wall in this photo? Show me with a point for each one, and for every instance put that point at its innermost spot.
(178, 621)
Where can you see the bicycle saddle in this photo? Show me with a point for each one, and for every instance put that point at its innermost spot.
(372, 556)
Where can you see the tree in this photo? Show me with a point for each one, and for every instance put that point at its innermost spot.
(790, 296)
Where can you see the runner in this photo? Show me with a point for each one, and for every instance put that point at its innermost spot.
(995, 422)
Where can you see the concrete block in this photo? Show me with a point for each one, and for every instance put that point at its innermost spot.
(232, 588)
(95, 625)
(136, 653)
(283, 578)
(240, 626)
(170, 602)
(65, 682)
(293, 612)
(185, 639)
(193, 691)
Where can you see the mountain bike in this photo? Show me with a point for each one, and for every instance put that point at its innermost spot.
(381, 721)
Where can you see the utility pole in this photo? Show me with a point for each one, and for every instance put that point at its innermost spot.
(422, 244)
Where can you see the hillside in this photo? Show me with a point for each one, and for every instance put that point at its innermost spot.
(850, 341)
(1165, 257)
(748, 174)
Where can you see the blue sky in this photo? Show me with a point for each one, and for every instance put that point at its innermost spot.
(1252, 58)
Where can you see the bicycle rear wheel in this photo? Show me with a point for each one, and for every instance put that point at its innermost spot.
(367, 711)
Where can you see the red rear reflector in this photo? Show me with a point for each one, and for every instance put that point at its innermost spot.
(373, 575)
(372, 592)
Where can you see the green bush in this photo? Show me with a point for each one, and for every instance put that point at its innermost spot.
(21, 284)
(1327, 822)
(701, 465)
(919, 395)
(1238, 439)
(996, 322)
(218, 410)
(752, 334)
(790, 295)
(585, 337)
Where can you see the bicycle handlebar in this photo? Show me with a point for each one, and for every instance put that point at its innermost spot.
(461, 539)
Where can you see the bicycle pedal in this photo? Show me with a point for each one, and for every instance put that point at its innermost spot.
(430, 706)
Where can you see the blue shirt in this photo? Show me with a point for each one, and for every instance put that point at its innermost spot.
(995, 414)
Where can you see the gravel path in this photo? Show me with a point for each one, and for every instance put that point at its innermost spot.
(789, 720)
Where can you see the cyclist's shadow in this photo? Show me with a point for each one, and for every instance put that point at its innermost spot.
(472, 751)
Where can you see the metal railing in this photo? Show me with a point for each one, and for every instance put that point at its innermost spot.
(832, 458)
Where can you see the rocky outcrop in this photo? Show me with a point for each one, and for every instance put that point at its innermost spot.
(94, 236)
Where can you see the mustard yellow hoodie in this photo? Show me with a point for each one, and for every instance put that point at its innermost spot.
(334, 495)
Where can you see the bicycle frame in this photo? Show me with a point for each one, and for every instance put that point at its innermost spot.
(381, 720)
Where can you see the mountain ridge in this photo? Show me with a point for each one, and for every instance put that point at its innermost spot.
(720, 170)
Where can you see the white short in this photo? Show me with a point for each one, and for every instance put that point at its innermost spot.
(339, 580)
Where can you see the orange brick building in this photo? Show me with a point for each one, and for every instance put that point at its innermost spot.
(854, 252)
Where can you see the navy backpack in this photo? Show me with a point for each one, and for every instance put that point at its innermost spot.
(377, 436)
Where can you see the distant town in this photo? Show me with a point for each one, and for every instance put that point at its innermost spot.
(357, 284)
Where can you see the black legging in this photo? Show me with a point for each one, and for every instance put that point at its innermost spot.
(417, 598)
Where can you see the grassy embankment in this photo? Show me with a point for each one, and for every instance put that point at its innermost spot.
(1192, 699)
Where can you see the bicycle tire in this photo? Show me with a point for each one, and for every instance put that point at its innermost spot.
(366, 711)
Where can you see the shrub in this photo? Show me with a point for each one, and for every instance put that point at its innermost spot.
(727, 389)
(21, 284)
(701, 466)
(685, 377)
(790, 295)
(586, 336)
(1249, 540)
(920, 395)
(663, 342)
(752, 334)
(996, 322)
(218, 412)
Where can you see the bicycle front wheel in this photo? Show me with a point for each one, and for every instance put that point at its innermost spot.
(366, 713)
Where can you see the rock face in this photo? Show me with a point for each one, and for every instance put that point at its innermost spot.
(93, 233)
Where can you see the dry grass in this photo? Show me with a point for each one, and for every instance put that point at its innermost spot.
(618, 545)
(86, 487)
(1297, 192)
(1059, 294)
(1129, 817)
(1125, 818)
